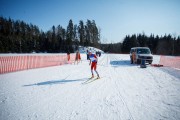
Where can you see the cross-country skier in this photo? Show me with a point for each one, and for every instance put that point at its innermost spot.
(93, 63)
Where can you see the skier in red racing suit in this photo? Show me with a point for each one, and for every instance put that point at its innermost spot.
(93, 63)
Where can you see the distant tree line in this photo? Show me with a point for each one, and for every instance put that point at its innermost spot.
(112, 47)
(20, 37)
(164, 45)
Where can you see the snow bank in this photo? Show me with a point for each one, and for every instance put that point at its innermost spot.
(93, 49)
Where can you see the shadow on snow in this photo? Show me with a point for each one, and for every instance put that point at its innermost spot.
(171, 71)
(53, 82)
(120, 63)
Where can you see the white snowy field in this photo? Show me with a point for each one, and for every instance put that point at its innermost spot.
(124, 92)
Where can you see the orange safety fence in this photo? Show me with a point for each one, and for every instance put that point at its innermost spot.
(25, 62)
(170, 61)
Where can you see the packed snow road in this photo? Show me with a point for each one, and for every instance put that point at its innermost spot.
(124, 92)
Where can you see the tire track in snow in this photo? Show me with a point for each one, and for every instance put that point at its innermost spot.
(156, 87)
(122, 99)
(120, 95)
(88, 100)
(111, 71)
(69, 95)
(42, 102)
(16, 90)
(108, 101)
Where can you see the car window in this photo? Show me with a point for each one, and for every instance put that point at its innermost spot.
(143, 51)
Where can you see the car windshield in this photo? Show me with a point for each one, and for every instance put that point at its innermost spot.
(143, 51)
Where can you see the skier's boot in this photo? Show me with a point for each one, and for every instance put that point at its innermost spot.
(92, 77)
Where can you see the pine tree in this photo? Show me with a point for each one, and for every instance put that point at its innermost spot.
(81, 33)
(69, 36)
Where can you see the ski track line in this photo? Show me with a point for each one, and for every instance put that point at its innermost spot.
(159, 82)
(16, 90)
(107, 61)
(67, 104)
(100, 87)
(122, 99)
(88, 97)
(38, 103)
(110, 73)
(120, 96)
(6, 94)
(100, 110)
(156, 80)
(160, 87)
(81, 104)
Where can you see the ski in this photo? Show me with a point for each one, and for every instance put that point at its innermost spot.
(90, 80)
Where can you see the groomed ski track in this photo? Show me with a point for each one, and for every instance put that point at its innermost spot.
(124, 92)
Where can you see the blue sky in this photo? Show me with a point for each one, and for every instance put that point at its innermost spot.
(115, 18)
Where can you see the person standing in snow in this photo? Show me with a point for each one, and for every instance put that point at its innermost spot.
(93, 63)
(87, 54)
(68, 55)
(77, 57)
(134, 57)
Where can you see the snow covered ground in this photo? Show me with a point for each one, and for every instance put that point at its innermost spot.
(124, 92)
